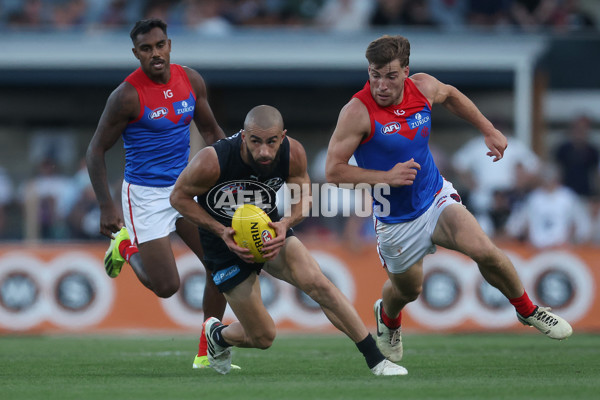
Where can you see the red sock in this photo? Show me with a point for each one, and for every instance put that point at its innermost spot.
(126, 249)
(391, 323)
(523, 305)
(203, 346)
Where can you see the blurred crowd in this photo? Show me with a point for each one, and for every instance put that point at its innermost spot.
(546, 201)
(222, 16)
(549, 201)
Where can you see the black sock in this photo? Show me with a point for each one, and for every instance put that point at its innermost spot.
(370, 351)
(217, 337)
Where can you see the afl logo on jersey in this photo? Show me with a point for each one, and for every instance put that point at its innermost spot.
(391, 128)
(158, 113)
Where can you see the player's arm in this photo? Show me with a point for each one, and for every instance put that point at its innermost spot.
(203, 115)
(198, 177)
(121, 107)
(298, 182)
(298, 179)
(459, 104)
(352, 127)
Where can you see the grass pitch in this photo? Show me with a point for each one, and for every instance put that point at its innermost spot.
(474, 366)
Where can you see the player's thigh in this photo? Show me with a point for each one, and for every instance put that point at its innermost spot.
(294, 264)
(246, 303)
(158, 259)
(457, 229)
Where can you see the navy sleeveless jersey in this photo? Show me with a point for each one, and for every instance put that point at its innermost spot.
(238, 183)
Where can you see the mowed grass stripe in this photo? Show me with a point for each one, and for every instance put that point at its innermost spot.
(474, 366)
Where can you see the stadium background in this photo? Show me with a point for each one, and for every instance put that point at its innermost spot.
(55, 81)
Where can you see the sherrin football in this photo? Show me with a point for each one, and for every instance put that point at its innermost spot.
(252, 230)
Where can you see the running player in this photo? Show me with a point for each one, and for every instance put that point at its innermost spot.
(261, 155)
(152, 110)
(386, 126)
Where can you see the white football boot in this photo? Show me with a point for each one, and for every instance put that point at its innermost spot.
(219, 357)
(388, 368)
(388, 340)
(548, 323)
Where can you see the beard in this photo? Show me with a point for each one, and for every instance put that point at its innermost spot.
(262, 169)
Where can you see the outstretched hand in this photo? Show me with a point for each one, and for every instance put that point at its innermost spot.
(497, 143)
(403, 174)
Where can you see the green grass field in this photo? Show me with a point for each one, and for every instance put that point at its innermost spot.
(490, 366)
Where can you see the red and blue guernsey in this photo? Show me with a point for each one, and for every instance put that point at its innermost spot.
(157, 142)
(398, 133)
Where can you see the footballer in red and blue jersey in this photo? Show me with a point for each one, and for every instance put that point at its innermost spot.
(157, 142)
(400, 132)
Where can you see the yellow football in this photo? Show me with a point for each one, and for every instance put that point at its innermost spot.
(252, 230)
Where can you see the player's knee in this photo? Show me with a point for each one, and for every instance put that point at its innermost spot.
(413, 294)
(264, 340)
(165, 289)
(408, 295)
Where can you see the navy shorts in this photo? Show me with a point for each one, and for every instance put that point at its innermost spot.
(227, 269)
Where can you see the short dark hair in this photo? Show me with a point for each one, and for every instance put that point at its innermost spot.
(145, 26)
(386, 49)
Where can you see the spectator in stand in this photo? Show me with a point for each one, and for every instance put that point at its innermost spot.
(506, 200)
(83, 219)
(29, 16)
(68, 14)
(298, 12)
(401, 12)
(80, 207)
(345, 15)
(115, 14)
(248, 13)
(499, 212)
(482, 178)
(388, 12)
(449, 14)
(578, 159)
(488, 13)
(552, 215)
(160, 9)
(570, 16)
(206, 17)
(418, 13)
(531, 15)
(42, 200)
(350, 228)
